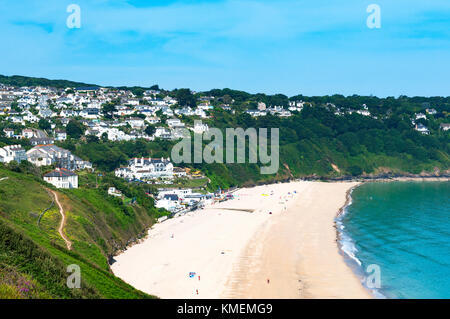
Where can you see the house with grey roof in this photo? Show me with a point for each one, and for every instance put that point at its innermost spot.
(62, 178)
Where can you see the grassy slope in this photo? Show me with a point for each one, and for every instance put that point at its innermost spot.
(96, 225)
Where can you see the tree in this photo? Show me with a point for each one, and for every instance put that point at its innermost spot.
(185, 97)
(92, 139)
(161, 116)
(44, 124)
(15, 106)
(150, 130)
(75, 129)
(139, 115)
(227, 99)
(108, 110)
(104, 137)
(355, 170)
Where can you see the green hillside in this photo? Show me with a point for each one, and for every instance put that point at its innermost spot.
(34, 258)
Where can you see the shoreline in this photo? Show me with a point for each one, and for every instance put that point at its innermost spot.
(403, 178)
(351, 260)
(289, 238)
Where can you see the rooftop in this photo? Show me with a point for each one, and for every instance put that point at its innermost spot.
(60, 172)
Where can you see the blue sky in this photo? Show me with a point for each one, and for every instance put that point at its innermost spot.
(284, 46)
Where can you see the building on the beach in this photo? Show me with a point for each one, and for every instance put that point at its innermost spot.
(178, 199)
(170, 202)
(180, 193)
(62, 178)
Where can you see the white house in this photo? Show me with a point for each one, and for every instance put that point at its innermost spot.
(62, 178)
(9, 132)
(445, 126)
(205, 106)
(90, 113)
(114, 192)
(27, 133)
(44, 155)
(181, 193)
(60, 135)
(174, 123)
(175, 199)
(136, 122)
(146, 168)
(363, 112)
(162, 132)
(132, 102)
(200, 112)
(123, 110)
(422, 129)
(200, 128)
(256, 113)
(67, 113)
(171, 203)
(421, 116)
(30, 117)
(262, 106)
(114, 134)
(152, 119)
(12, 153)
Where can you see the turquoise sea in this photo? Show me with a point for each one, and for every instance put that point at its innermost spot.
(404, 228)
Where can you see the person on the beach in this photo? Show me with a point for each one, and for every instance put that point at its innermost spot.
(268, 280)
(196, 290)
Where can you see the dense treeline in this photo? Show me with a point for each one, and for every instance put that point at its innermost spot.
(18, 80)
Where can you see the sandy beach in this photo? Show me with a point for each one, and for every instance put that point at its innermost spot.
(274, 241)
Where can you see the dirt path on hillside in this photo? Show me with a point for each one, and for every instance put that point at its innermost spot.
(63, 222)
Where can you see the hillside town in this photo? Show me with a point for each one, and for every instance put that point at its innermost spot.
(119, 114)
(42, 116)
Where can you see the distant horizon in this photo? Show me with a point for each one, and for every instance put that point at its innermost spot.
(207, 90)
